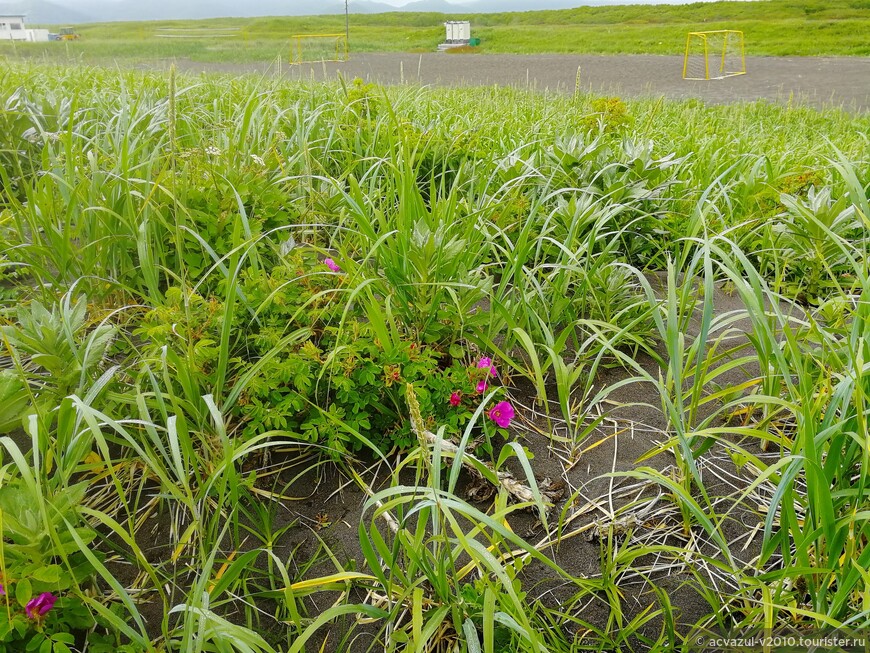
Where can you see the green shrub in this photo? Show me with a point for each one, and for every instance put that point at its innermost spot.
(609, 114)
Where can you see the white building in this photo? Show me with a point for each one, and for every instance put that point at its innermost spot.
(458, 31)
(458, 35)
(12, 29)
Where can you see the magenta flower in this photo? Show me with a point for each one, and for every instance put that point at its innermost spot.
(481, 387)
(2, 590)
(39, 606)
(502, 414)
(455, 399)
(332, 265)
(486, 363)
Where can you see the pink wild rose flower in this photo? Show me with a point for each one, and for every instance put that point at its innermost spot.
(502, 414)
(481, 387)
(39, 606)
(455, 399)
(332, 265)
(486, 363)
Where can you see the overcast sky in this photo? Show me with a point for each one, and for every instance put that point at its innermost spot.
(531, 4)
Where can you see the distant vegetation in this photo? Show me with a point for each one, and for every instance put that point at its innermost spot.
(772, 27)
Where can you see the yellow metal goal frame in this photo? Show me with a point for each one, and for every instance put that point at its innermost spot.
(703, 36)
(341, 47)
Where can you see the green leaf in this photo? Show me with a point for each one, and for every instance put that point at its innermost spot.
(13, 400)
(23, 592)
(47, 574)
(471, 638)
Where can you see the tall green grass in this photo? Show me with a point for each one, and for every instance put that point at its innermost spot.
(164, 244)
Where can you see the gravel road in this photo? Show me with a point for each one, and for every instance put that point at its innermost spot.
(817, 81)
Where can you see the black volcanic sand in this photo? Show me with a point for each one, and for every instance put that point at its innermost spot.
(815, 81)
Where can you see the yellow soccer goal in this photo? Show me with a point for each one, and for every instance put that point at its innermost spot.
(318, 47)
(714, 55)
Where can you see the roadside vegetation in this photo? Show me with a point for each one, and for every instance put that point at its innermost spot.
(292, 366)
(772, 27)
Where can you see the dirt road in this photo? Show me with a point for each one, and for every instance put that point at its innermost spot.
(818, 81)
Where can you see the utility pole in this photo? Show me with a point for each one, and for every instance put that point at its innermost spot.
(346, 25)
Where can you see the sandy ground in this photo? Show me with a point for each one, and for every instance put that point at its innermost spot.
(817, 81)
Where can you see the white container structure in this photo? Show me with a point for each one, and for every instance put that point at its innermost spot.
(458, 34)
(37, 35)
(12, 29)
